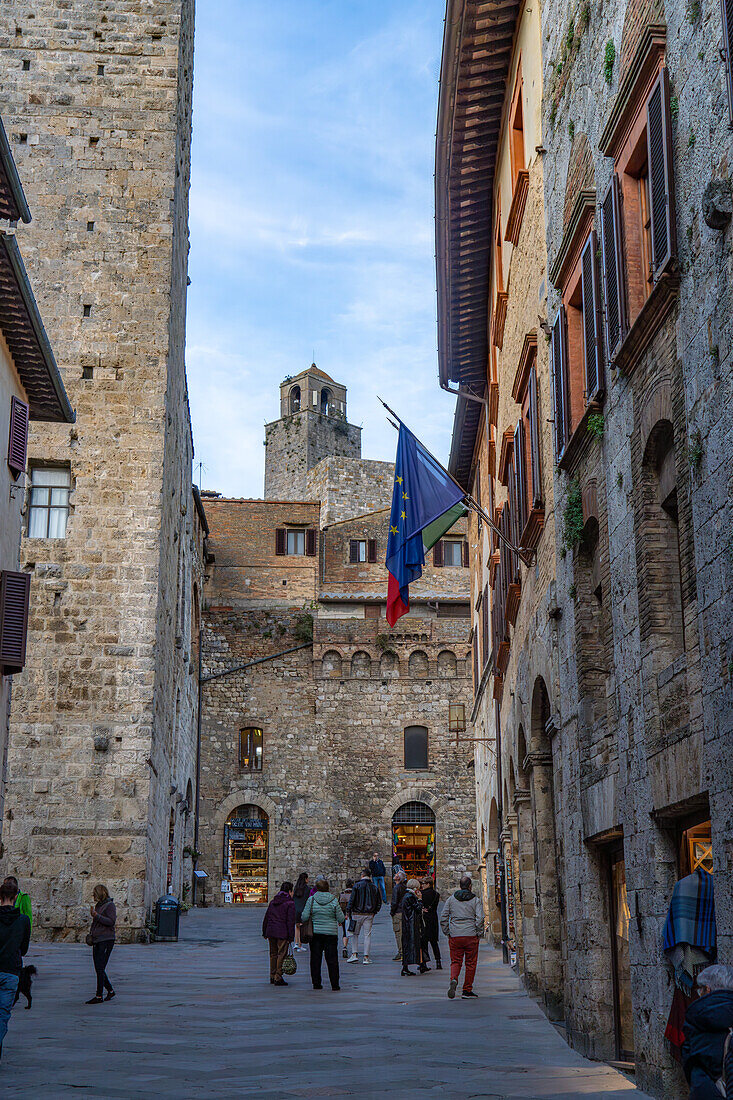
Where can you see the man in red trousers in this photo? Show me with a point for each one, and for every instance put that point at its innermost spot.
(462, 920)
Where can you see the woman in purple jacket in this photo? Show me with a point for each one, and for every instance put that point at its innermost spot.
(279, 928)
(102, 939)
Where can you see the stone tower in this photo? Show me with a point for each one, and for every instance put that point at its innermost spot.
(97, 99)
(312, 426)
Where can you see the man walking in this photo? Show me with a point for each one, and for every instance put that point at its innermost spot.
(399, 888)
(377, 870)
(15, 936)
(462, 920)
(278, 927)
(364, 904)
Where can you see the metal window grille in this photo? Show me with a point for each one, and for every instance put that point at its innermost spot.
(414, 813)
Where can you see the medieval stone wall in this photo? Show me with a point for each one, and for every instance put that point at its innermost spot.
(298, 442)
(98, 106)
(350, 487)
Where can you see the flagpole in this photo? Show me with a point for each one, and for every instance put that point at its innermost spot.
(467, 498)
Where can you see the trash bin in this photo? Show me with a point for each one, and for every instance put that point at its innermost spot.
(167, 914)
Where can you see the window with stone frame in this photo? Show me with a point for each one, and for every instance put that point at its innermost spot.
(638, 226)
(527, 448)
(517, 160)
(576, 345)
(416, 748)
(251, 749)
(48, 508)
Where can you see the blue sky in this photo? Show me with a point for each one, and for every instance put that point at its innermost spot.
(312, 220)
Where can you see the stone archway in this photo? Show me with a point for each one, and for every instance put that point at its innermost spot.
(242, 797)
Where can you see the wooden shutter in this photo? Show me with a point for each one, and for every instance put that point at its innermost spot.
(534, 441)
(310, 542)
(661, 180)
(18, 440)
(727, 13)
(520, 478)
(371, 550)
(280, 540)
(485, 626)
(14, 601)
(613, 269)
(438, 553)
(475, 661)
(466, 561)
(594, 382)
(353, 550)
(560, 382)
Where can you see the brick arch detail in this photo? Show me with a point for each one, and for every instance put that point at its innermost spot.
(411, 794)
(657, 406)
(639, 14)
(581, 174)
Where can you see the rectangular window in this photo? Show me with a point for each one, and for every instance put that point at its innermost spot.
(296, 542)
(49, 502)
(416, 748)
(452, 552)
(456, 718)
(559, 356)
(357, 550)
(534, 438)
(250, 749)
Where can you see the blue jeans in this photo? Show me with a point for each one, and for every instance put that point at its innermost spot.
(8, 989)
(378, 881)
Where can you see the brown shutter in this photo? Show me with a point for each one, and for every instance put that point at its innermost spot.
(727, 13)
(534, 441)
(466, 560)
(14, 600)
(613, 269)
(661, 178)
(560, 382)
(475, 662)
(18, 440)
(520, 477)
(438, 553)
(280, 540)
(310, 542)
(477, 478)
(594, 382)
(485, 626)
(353, 550)
(371, 550)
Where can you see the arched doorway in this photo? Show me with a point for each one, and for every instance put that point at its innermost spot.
(413, 839)
(245, 853)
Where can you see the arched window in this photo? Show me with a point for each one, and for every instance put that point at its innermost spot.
(418, 665)
(416, 748)
(331, 664)
(295, 399)
(326, 401)
(361, 665)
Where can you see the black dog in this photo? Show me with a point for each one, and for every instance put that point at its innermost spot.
(24, 985)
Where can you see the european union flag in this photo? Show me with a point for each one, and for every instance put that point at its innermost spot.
(426, 503)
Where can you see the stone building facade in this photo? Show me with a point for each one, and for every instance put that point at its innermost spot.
(338, 720)
(620, 783)
(101, 755)
(31, 389)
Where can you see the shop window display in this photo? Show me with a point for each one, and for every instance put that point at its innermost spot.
(413, 839)
(245, 854)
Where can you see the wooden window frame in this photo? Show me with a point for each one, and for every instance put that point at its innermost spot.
(14, 610)
(18, 436)
(250, 751)
(34, 508)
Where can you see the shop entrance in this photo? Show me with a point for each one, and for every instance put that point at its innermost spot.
(620, 917)
(413, 839)
(245, 854)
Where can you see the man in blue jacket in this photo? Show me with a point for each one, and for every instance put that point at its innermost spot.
(15, 936)
(377, 871)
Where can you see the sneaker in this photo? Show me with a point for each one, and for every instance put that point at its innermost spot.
(95, 1000)
(408, 973)
(452, 988)
(396, 958)
(110, 995)
(366, 960)
(353, 959)
(469, 993)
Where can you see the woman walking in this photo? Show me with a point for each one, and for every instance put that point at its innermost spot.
(278, 928)
(301, 893)
(344, 898)
(412, 930)
(326, 913)
(430, 900)
(101, 937)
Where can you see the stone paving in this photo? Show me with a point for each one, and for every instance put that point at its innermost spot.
(200, 1019)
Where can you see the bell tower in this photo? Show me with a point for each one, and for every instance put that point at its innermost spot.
(312, 426)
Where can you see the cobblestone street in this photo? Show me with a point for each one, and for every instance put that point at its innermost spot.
(199, 1019)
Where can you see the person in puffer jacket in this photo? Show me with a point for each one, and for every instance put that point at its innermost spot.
(462, 920)
(278, 927)
(326, 913)
(707, 1023)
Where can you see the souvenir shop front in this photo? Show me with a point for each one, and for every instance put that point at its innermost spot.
(246, 835)
(413, 839)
